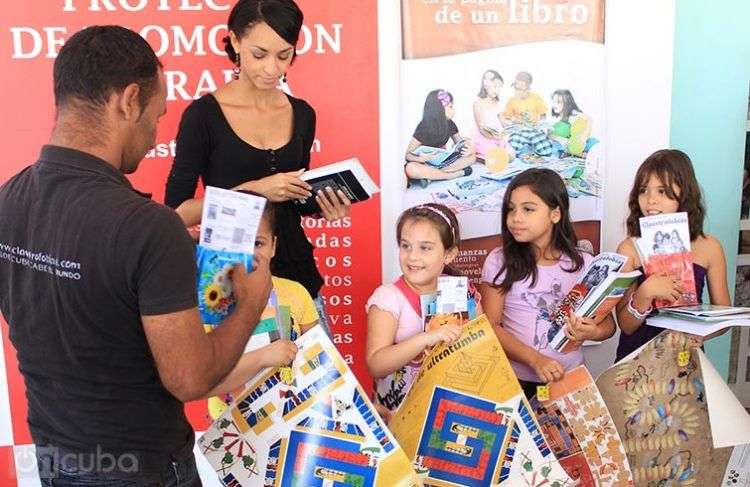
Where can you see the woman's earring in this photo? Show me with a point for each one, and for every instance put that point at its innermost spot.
(236, 69)
(283, 78)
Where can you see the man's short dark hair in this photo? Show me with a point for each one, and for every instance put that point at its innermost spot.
(100, 60)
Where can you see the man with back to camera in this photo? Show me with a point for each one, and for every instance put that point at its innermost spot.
(97, 282)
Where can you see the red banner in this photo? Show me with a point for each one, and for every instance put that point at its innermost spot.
(336, 72)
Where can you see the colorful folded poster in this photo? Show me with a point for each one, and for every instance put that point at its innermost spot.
(275, 323)
(671, 409)
(320, 430)
(579, 429)
(466, 422)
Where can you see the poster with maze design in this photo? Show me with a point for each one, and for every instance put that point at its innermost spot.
(465, 421)
(319, 431)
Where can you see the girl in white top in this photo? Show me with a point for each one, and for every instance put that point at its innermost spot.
(487, 112)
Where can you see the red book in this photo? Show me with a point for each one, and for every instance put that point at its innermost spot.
(664, 246)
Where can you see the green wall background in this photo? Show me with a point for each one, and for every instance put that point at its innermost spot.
(709, 117)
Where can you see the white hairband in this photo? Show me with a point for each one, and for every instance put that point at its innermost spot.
(438, 212)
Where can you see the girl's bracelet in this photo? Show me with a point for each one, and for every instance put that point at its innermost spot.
(634, 311)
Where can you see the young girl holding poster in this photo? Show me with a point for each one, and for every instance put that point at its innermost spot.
(434, 131)
(290, 294)
(524, 280)
(428, 239)
(666, 183)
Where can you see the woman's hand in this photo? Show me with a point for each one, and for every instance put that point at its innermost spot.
(279, 187)
(546, 369)
(333, 205)
(278, 353)
(660, 286)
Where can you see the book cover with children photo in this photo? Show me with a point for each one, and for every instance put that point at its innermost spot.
(664, 247)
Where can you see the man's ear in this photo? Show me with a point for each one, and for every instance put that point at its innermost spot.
(273, 249)
(128, 103)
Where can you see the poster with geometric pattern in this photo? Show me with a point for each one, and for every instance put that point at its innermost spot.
(657, 399)
(579, 429)
(465, 421)
(320, 430)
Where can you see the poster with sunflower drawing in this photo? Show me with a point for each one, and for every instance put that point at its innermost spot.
(229, 224)
(676, 416)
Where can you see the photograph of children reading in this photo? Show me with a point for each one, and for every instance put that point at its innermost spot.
(474, 132)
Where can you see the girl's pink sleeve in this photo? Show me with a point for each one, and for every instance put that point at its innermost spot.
(386, 299)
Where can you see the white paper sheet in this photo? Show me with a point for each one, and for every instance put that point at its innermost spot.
(730, 423)
(694, 327)
(230, 220)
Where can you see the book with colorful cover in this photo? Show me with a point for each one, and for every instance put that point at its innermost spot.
(593, 296)
(229, 224)
(664, 246)
(455, 303)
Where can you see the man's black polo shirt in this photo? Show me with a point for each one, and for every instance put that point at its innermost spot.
(82, 257)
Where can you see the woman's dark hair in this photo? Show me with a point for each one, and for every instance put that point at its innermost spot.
(102, 59)
(283, 16)
(436, 214)
(673, 168)
(434, 120)
(519, 260)
(269, 211)
(569, 105)
(495, 76)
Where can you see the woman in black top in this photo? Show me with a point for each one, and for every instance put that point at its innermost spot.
(250, 135)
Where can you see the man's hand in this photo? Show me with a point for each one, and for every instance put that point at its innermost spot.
(252, 289)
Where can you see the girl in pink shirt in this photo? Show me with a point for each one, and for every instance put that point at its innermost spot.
(428, 239)
(524, 281)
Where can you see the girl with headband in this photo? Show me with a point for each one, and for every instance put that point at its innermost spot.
(428, 239)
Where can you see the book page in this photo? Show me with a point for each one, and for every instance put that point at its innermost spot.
(230, 220)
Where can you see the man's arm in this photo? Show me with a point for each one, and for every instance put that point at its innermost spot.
(191, 362)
